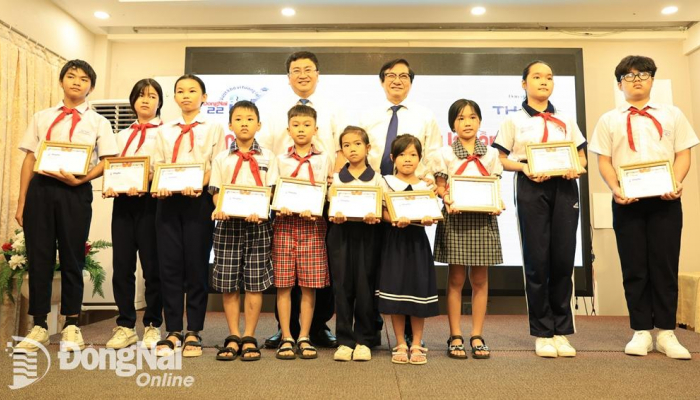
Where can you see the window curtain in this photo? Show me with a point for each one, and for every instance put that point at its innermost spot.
(28, 83)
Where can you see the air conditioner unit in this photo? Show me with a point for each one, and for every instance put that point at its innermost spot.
(118, 112)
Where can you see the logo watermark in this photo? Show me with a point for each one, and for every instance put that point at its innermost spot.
(124, 362)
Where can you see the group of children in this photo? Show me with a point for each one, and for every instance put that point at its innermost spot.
(377, 266)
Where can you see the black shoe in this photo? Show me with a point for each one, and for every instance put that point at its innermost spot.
(273, 341)
(324, 338)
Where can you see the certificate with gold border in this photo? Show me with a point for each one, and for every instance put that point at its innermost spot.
(475, 193)
(552, 159)
(355, 202)
(242, 201)
(651, 179)
(177, 177)
(123, 173)
(299, 195)
(414, 205)
(70, 157)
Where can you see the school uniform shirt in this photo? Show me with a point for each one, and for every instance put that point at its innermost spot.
(139, 146)
(451, 158)
(224, 166)
(321, 166)
(273, 135)
(611, 138)
(368, 178)
(526, 127)
(92, 129)
(209, 140)
(413, 119)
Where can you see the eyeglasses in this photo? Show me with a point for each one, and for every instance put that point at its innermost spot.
(392, 77)
(631, 76)
(298, 72)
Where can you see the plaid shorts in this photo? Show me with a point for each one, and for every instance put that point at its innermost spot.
(299, 253)
(242, 253)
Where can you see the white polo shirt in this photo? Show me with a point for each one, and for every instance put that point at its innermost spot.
(209, 140)
(224, 165)
(450, 158)
(92, 129)
(523, 128)
(413, 119)
(273, 134)
(149, 145)
(610, 135)
(321, 165)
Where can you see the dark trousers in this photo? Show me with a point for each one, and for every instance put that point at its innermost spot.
(184, 240)
(548, 218)
(354, 251)
(134, 230)
(55, 212)
(648, 235)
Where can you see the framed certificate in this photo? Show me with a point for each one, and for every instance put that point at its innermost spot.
(355, 202)
(299, 195)
(476, 193)
(70, 157)
(553, 159)
(242, 201)
(177, 177)
(647, 179)
(124, 173)
(414, 205)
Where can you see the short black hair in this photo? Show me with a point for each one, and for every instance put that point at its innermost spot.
(246, 104)
(640, 63)
(356, 130)
(301, 111)
(526, 71)
(301, 55)
(79, 64)
(194, 78)
(458, 106)
(402, 142)
(139, 87)
(391, 64)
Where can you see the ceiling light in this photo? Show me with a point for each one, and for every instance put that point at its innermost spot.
(288, 12)
(478, 11)
(669, 10)
(101, 15)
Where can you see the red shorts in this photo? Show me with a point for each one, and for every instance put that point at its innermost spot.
(299, 252)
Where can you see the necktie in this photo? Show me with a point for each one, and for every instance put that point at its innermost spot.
(254, 169)
(304, 101)
(643, 112)
(185, 129)
(303, 160)
(65, 111)
(387, 167)
(548, 117)
(137, 128)
(479, 165)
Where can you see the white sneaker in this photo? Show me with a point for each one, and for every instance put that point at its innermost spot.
(36, 335)
(71, 339)
(361, 353)
(344, 353)
(564, 348)
(544, 347)
(122, 337)
(667, 343)
(640, 345)
(151, 336)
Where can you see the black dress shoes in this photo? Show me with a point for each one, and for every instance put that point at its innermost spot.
(324, 338)
(273, 341)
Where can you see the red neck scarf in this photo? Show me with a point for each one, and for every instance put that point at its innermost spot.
(303, 160)
(643, 112)
(254, 168)
(185, 129)
(549, 117)
(65, 111)
(479, 165)
(138, 128)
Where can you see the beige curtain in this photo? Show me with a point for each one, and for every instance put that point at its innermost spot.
(28, 83)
